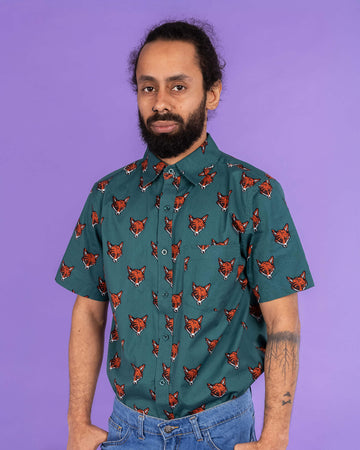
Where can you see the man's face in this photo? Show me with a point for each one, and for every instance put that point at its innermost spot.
(171, 97)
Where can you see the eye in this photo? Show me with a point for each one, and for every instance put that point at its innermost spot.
(148, 89)
(179, 87)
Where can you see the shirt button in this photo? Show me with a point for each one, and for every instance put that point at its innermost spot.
(165, 294)
(166, 337)
(162, 382)
(163, 251)
(166, 207)
(172, 171)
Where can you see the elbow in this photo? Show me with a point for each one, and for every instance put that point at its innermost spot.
(290, 324)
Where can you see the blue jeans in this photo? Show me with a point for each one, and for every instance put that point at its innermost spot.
(219, 427)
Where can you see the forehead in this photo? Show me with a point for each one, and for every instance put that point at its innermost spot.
(161, 59)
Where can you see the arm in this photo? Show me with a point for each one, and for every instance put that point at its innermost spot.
(281, 369)
(86, 348)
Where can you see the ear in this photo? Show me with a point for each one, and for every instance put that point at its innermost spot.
(213, 95)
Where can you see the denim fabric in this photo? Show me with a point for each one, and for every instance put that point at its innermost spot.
(220, 427)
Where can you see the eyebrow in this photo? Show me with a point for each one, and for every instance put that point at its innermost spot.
(177, 77)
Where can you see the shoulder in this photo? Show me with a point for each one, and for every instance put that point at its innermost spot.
(118, 175)
(252, 179)
(119, 178)
(255, 190)
(231, 161)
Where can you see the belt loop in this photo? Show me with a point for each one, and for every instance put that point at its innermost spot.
(196, 429)
(141, 419)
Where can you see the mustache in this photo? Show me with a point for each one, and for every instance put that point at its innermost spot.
(165, 117)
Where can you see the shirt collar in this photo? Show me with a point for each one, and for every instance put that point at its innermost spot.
(191, 166)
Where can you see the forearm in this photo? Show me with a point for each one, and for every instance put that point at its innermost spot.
(281, 369)
(86, 349)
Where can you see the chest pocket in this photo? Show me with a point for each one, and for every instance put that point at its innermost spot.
(210, 276)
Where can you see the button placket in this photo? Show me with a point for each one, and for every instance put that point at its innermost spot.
(166, 210)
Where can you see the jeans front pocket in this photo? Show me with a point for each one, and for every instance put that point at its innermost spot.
(237, 430)
(118, 433)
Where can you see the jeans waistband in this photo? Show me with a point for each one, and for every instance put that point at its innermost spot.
(187, 424)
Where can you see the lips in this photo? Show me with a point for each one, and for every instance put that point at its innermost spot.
(163, 126)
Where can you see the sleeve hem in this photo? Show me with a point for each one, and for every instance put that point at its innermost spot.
(284, 293)
(83, 293)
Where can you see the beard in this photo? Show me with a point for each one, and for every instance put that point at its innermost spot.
(167, 145)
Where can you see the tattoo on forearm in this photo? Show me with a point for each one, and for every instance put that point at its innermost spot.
(283, 348)
(288, 401)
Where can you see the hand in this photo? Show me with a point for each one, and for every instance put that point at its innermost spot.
(248, 446)
(259, 445)
(85, 437)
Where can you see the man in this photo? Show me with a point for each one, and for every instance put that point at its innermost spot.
(200, 260)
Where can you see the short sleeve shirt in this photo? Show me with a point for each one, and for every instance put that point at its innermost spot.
(185, 253)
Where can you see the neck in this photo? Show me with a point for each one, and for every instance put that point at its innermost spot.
(182, 155)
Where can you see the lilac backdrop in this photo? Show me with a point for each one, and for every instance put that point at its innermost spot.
(290, 106)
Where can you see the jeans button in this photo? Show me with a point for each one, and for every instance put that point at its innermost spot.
(168, 428)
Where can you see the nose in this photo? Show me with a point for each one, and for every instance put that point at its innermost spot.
(161, 102)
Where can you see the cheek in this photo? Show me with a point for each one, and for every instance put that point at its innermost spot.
(144, 110)
(191, 104)
(185, 109)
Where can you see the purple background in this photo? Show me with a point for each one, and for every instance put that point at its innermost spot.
(290, 106)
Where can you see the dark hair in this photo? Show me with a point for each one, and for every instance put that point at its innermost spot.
(192, 31)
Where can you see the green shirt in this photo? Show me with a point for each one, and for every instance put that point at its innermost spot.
(185, 253)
